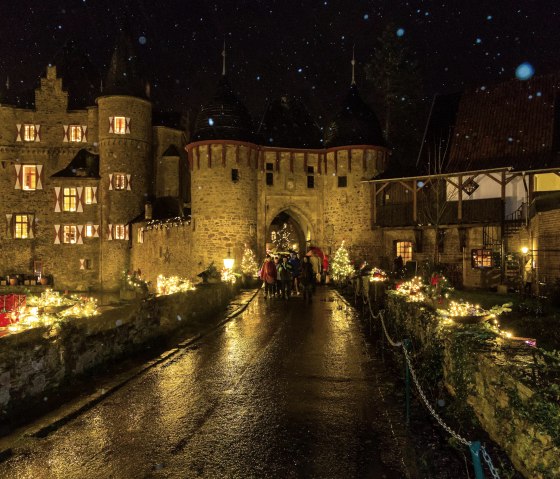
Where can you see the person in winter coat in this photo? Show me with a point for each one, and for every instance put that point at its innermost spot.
(307, 278)
(285, 276)
(268, 276)
(295, 263)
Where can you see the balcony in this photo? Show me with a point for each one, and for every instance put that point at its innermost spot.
(474, 211)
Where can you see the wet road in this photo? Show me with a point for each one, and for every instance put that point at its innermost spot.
(285, 390)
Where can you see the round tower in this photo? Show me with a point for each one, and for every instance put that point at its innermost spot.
(224, 162)
(125, 131)
(356, 151)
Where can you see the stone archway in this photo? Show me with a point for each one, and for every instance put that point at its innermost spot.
(288, 230)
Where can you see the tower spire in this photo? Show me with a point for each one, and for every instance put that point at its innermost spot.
(224, 59)
(353, 62)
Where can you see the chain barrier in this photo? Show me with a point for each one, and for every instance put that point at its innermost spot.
(489, 463)
(400, 344)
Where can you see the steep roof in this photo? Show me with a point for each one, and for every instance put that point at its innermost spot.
(515, 124)
(123, 76)
(355, 124)
(288, 124)
(84, 165)
(223, 118)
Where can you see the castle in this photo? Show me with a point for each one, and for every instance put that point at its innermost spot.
(89, 193)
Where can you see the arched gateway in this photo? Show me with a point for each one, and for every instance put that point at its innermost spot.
(289, 230)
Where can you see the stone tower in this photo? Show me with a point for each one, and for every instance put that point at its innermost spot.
(125, 144)
(223, 159)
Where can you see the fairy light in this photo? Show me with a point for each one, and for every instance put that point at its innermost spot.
(172, 284)
(377, 275)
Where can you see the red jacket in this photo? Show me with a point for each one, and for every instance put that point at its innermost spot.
(268, 272)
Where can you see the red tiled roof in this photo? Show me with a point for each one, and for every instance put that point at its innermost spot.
(509, 124)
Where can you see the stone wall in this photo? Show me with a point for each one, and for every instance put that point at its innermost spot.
(165, 250)
(35, 362)
(493, 381)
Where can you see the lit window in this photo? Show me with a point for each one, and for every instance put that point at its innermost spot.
(21, 227)
(120, 232)
(70, 234)
(342, 181)
(481, 258)
(140, 237)
(29, 132)
(119, 125)
(69, 199)
(88, 195)
(89, 231)
(30, 177)
(404, 250)
(119, 181)
(76, 133)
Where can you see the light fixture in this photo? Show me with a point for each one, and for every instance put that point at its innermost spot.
(229, 261)
(524, 250)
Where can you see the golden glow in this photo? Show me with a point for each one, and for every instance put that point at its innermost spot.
(228, 263)
(69, 199)
(75, 133)
(524, 250)
(120, 232)
(29, 177)
(404, 250)
(21, 227)
(88, 195)
(119, 125)
(70, 234)
(172, 284)
(29, 132)
(89, 231)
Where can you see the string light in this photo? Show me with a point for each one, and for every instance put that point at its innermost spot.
(172, 284)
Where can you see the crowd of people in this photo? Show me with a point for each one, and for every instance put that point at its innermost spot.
(286, 275)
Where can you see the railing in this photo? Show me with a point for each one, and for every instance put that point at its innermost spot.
(488, 210)
(362, 290)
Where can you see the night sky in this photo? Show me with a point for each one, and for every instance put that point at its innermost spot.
(283, 46)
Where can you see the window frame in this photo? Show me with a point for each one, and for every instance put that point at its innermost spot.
(119, 125)
(342, 181)
(72, 199)
(19, 231)
(70, 232)
(72, 129)
(310, 177)
(119, 232)
(404, 249)
(89, 230)
(269, 178)
(29, 168)
(119, 181)
(482, 258)
(29, 132)
(88, 195)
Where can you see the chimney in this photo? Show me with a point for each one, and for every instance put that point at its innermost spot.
(148, 211)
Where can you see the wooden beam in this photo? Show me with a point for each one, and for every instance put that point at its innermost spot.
(380, 190)
(375, 203)
(406, 186)
(460, 199)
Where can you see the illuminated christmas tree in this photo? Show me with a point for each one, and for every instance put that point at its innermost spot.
(249, 266)
(340, 266)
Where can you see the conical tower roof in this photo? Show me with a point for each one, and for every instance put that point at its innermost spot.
(224, 118)
(288, 124)
(355, 124)
(123, 77)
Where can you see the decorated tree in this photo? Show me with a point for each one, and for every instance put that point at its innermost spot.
(249, 266)
(341, 266)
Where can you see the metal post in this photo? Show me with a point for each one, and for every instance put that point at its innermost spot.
(406, 344)
(477, 464)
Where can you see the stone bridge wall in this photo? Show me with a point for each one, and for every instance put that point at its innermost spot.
(36, 362)
(493, 380)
